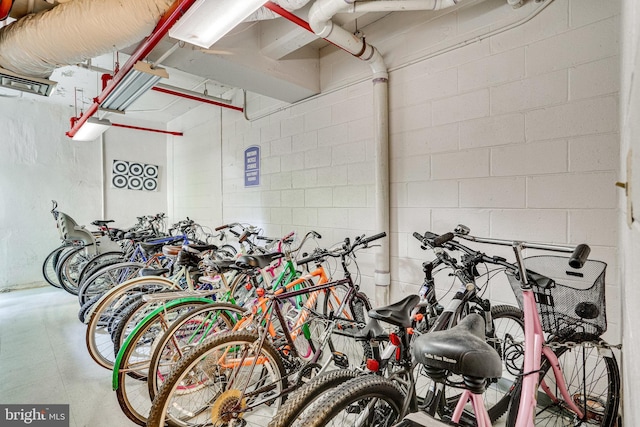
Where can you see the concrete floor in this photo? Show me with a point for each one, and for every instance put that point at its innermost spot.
(44, 359)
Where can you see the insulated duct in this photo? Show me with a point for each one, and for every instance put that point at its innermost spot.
(78, 30)
(74, 32)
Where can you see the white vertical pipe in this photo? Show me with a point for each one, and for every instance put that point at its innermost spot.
(381, 143)
(320, 21)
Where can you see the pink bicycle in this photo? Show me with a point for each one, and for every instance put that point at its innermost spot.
(568, 376)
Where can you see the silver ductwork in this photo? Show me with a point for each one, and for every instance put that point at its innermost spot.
(78, 30)
(74, 32)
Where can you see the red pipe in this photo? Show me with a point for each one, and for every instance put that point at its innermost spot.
(276, 8)
(196, 98)
(288, 15)
(146, 129)
(168, 19)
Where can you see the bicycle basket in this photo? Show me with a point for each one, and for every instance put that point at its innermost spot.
(571, 303)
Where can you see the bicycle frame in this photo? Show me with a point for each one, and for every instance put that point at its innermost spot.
(534, 349)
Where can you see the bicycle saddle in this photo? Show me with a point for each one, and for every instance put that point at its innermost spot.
(258, 261)
(99, 222)
(461, 350)
(220, 266)
(153, 271)
(398, 314)
(192, 247)
(151, 248)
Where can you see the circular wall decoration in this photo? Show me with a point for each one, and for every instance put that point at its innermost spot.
(134, 183)
(119, 181)
(135, 169)
(151, 171)
(134, 175)
(120, 167)
(150, 184)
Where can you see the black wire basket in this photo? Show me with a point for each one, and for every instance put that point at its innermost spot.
(571, 302)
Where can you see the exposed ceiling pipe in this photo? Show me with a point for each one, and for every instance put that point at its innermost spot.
(167, 132)
(141, 52)
(194, 96)
(73, 32)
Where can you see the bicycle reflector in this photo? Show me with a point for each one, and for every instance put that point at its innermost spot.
(395, 340)
(373, 365)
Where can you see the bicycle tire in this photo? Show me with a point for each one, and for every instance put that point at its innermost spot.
(50, 263)
(69, 267)
(182, 335)
(86, 307)
(219, 400)
(302, 399)
(352, 398)
(96, 263)
(132, 362)
(107, 278)
(98, 337)
(603, 374)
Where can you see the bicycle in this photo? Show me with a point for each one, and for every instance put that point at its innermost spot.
(401, 384)
(562, 297)
(242, 375)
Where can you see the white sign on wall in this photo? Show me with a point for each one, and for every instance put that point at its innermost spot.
(134, 176)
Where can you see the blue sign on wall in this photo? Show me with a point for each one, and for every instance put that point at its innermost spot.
(252, 166)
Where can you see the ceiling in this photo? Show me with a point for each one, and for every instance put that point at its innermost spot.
(271, 57)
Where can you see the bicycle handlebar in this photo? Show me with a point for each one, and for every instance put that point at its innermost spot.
(345, 249)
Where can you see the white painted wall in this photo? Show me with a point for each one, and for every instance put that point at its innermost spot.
(123, 205)
(194, 167)
(630, 234)
(39, 163)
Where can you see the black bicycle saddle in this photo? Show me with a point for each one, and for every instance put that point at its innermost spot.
(461, 350)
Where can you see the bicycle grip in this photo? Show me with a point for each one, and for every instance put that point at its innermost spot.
(315, 233)
(222, 227)
(243, 236)
(306, 260)
(579, 256)
(374, 237)
(442, 239)
(418, 236)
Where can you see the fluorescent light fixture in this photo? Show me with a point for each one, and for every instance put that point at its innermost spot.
(207, 21)
(33, 85)
(135, 84)
(91, 129)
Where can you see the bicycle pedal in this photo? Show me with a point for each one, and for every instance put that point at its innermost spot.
(341, 360)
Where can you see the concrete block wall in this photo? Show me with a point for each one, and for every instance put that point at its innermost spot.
(194, 168)
(515, 135)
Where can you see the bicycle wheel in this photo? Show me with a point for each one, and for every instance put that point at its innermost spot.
(185, 333)
(69, 267)
(132, 362)
(303, 398)
(97, 262)
(507, 339)
(228, 380)
(98, 337)
(50, 263)
(593, 382)
(350, 321)
(368, 400)
(107, 278)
